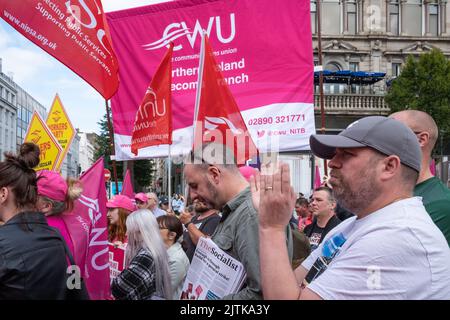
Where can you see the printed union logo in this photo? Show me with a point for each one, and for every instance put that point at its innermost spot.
(261, 133)
(36, 136)
(211, 123)
(166, 39)
(176, 30)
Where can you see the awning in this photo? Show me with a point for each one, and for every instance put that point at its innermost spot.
(349, 77)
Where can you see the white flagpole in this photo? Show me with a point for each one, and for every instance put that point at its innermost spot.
(170, 179)
(199, 81)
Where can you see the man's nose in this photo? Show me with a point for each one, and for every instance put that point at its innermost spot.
(193, 195)
(334, 163)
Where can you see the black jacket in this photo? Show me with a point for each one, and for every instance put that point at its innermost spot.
(33, 261)
(333, 222)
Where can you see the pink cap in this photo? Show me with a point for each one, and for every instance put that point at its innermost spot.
(121, 201)
(141, 197)
(247, 172)
(51, 185)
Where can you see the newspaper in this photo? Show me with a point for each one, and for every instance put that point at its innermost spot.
(212, 274)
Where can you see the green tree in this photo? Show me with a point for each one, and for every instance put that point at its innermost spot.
(424, 84)
(142, 174)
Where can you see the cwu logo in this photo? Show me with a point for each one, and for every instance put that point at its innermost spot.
(177, 30)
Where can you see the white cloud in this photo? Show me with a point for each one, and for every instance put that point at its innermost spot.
(5, 39)
(26, 65)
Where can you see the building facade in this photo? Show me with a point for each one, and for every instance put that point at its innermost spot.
(8, 113)
(71, 164)
(86, 149)
(372, 36)
(26, 105)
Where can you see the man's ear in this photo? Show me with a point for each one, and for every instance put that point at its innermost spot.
(214, 174)
(4, 193)
(423, 138)
(390, 167)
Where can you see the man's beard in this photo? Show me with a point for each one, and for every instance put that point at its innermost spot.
(212, 202)
(355, 195)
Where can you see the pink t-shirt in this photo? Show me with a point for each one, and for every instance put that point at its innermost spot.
(58, 223)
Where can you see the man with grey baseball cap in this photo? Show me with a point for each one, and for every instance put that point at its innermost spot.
(383, 134)
(391, 249)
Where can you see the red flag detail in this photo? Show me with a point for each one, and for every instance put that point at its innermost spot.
(153, 122)
(74, 32)
(88, 228)
(218, 117)
(127, 189)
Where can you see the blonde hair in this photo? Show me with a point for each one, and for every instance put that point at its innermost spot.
(143, 232)
(74, 191)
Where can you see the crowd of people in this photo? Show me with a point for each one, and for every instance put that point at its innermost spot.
(378, 227)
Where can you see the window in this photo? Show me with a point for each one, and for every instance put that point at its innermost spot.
(394, 19)
(331, 17)
(351, 17)
(412, 18)
(433, 19)
(313, 17)
(353, 66)
(396, 68)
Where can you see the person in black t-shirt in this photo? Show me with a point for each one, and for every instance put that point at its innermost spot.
(201, 225)
(322, 205)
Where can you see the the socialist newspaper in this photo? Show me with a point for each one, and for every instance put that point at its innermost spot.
(213, 273)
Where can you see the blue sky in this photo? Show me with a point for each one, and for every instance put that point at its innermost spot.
(43, 76)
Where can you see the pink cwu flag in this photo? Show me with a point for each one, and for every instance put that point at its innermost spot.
(88, 228)
(127, 189)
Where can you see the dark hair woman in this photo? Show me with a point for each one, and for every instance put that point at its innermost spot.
(33, 260)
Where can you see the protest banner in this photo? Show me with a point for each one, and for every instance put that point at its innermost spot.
(59, 124)
(274, 91)
(88, 228)
(217, 117)
(127, 189)
(153, 123)
(50, 150)
(72, 31)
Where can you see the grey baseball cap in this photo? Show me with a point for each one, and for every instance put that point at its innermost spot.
(386, 135)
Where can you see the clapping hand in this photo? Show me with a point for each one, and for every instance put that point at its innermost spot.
(273, 197)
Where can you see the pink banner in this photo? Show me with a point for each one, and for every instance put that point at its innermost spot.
(317, 181)
(73, 31)
(87, 225)
(127, 189)
(263, 47)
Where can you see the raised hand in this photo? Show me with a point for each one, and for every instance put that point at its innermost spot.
(276, 198)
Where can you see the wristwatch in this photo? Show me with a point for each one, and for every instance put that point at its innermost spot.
(187, 224)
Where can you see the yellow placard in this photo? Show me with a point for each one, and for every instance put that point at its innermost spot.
(51, 151)
(59, 124)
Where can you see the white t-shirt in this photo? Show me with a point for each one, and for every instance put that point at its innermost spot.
(396, 252)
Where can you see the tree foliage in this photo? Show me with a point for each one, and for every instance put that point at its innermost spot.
(424, 84)
(142, 168)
